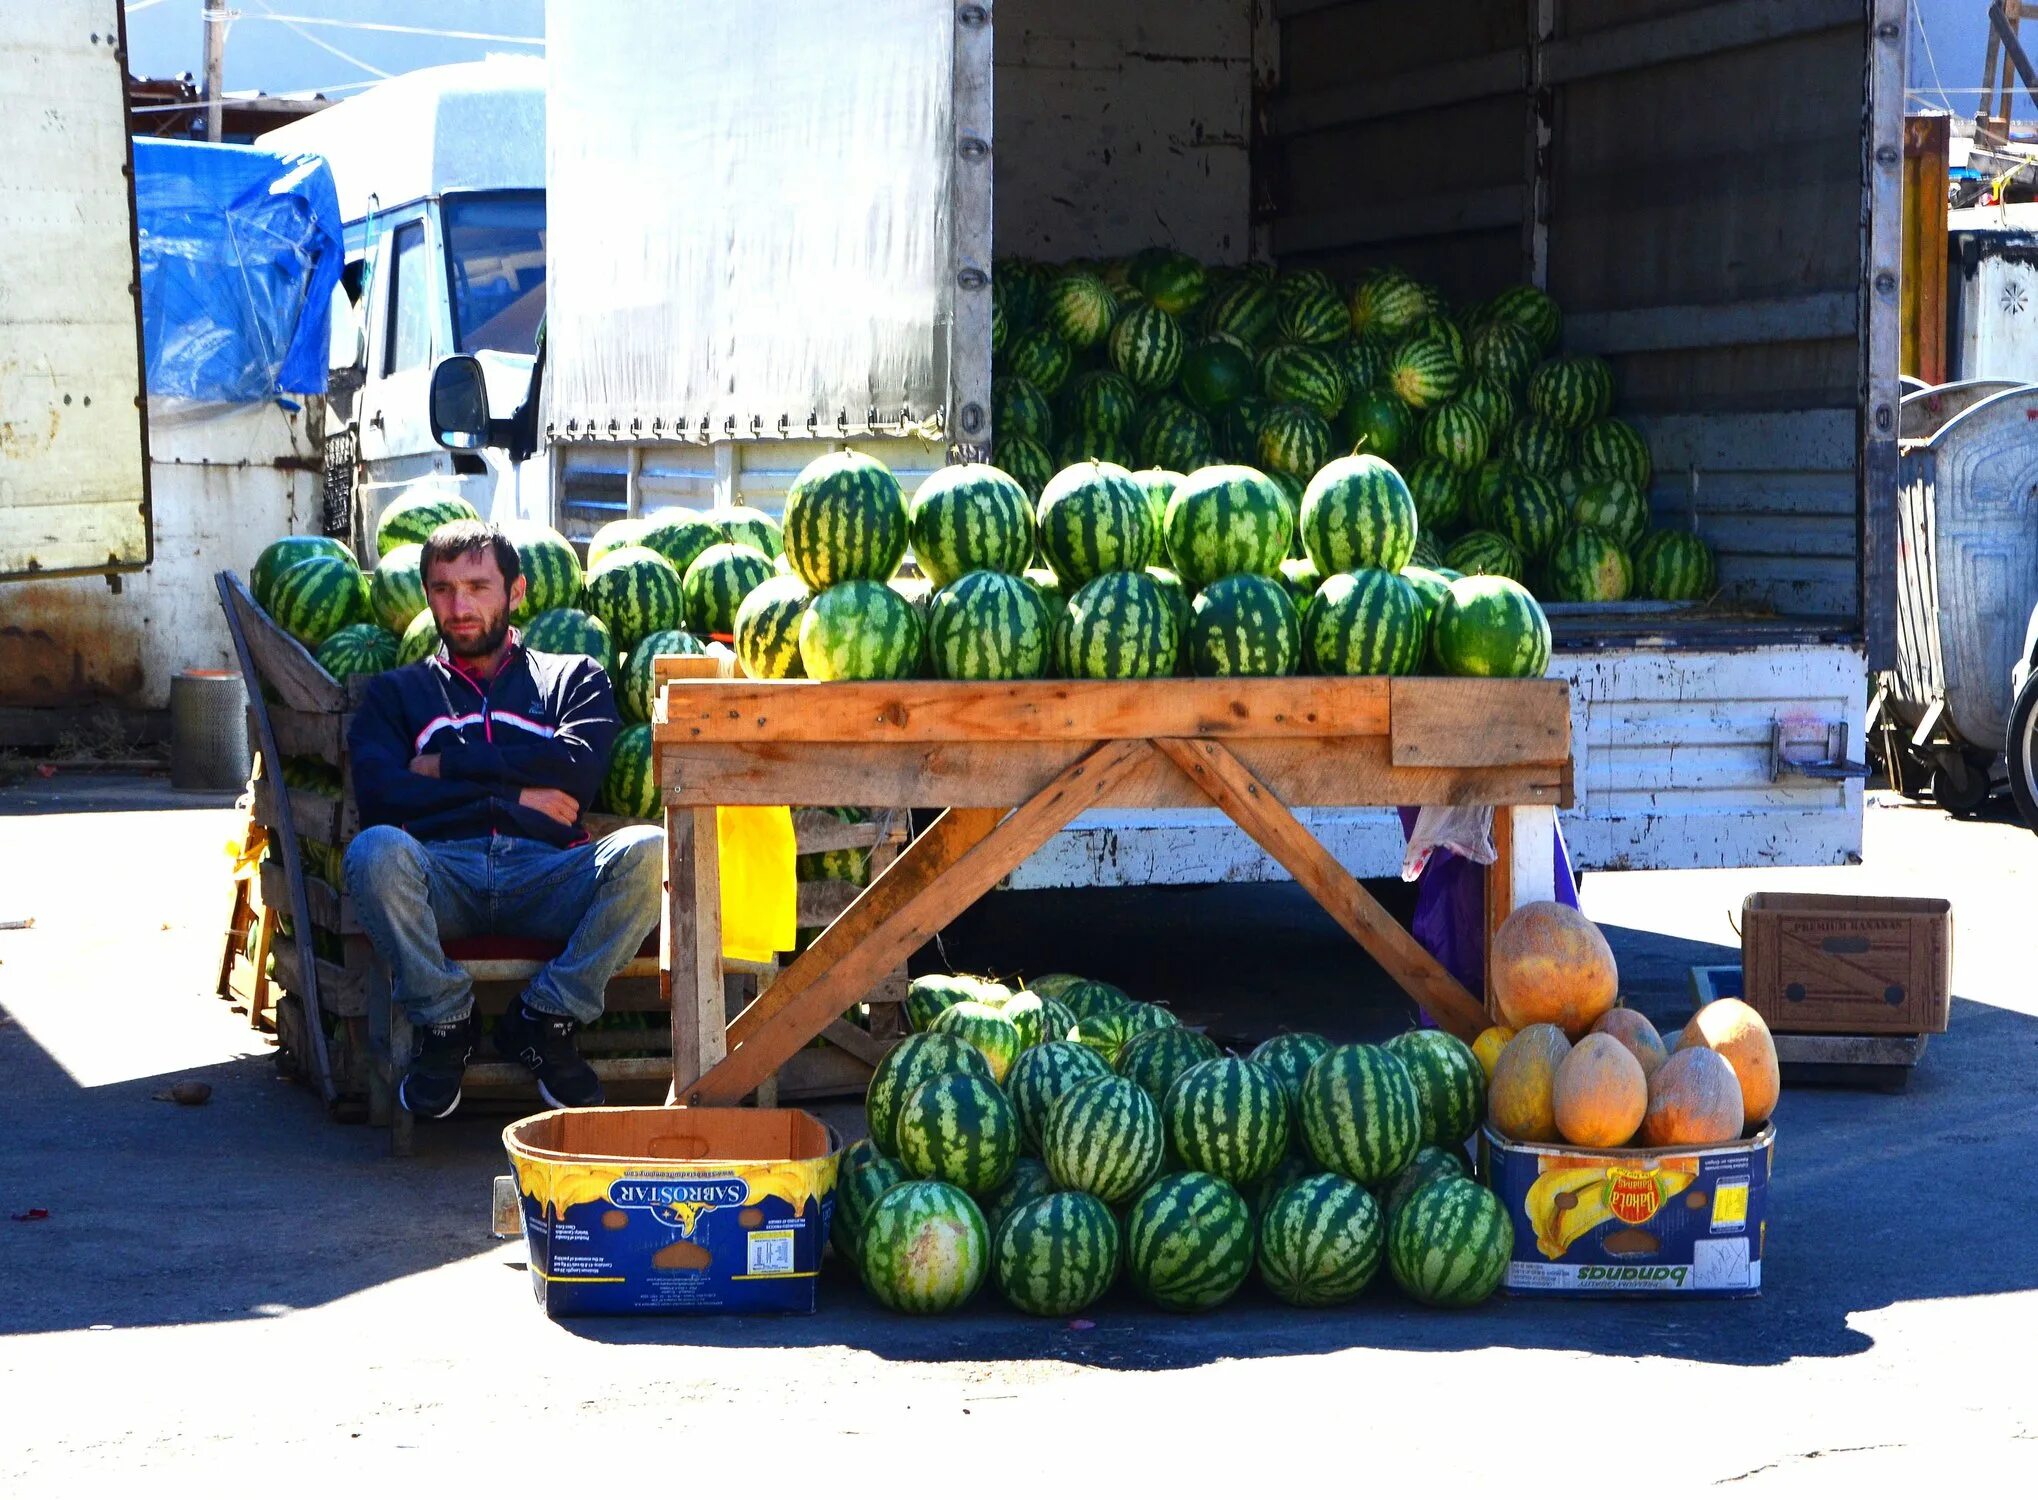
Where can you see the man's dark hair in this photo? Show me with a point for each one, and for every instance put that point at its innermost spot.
(461, 538)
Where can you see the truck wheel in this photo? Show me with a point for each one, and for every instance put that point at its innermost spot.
(2020, 748)
(1958, 785)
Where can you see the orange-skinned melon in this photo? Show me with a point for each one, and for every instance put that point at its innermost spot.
(1551, 964)
(1733, 1029)
(1600, 1093)
(1638, 1034)
(1694, 1100)
(1489, 1044)
(1520, 1099)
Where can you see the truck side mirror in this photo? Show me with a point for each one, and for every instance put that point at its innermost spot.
(459, 405)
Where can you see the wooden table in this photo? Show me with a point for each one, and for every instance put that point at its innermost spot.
(1013, 762)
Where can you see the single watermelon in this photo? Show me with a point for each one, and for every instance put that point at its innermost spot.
(635, 693)
(1440, 493)
(1080, 309)
(1228, 1117)
(680, 536)
(1425, 371)
(1428, 1165)
(1526, 510)
(1537, 447)
(985, 1028)
(1146, 346)
(858, 1187)
(420, 640)
(1217, 370)
(635, 592)
(860, 631)
(1175, 437)
(1450, 1083)
(1491, 627)
(1299, 576)
(845, 519)
(1118, 625)
(1360, 1113)
(1587, 567)
(1299, 375)
(1611, 505)
(1244, 626)
(989, 627)
(570, 632)
(625, 531)
(358, 651)
(1378, 422)
(1366, 623)
(1174, 282)
(1226, 519)
(716, 584)
(1099, 404)
(1247, 310)
(959, 1129)
(1093, 520)
(1485, 553)
(280, 554)
(908, 1065)
(1019, 410)
(1450, 1244)
(1042, 358)
(969, 517)
(1532, 310)
(1041, 1076)
(925, 1248)
(1387, 305)
(1320, 1241)
(1289, 1056)
(930, 994)
(396, 589)
(415, 514)
(1189, 1242)
(1103, 1136)
(1674, 565)
(1055, 1255)
(550, 567)
(630, 787)
(768, 628)
(1155, 1059)
(1357, 513)
(1027, 461)
(1571, 391)
(1027, 1181)
(1505, 352)
(1457, 435)
(1610, 448)
(1294, 440)
(318, 596)
(747, 526)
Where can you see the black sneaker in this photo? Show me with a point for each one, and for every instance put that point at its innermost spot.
(544, 1044)
(431, 1089)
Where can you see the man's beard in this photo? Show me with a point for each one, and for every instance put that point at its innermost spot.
(490, 642)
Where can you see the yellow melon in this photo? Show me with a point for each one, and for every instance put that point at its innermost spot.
(1733, 1029)
(1637, 1033)
(1551, 964)
(1519, 1100)
(1488, 1044)
(1600, 1093)
(1694, 1100)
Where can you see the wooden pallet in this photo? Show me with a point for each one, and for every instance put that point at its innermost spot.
(1823, 1059)
(1013, 762)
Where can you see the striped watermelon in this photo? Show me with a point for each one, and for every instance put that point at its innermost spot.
(1289, 1058)
(857, 1190)
(1244, 626)
(1019, 410)
(396, 589)
(1025, 460)
(1226, 519)
(1378, 422)
(989, 627)
(1175, 437)
(1674, 565)
(1293, 439)
(1029, 1016)
(1088, 998)
(1363, 364)
(1143, 1016)
(1119, 625)
(1310, 281)
(1086, 447)
(768, 628)
(925, 1248)
(1316, 316)
(1080, 310)
(1360, 1113)
(280, 554)
(1485, 552)
(959, 1129)
(629, 789)
(1155, 1059)
(1106, 1033)
(1320, 1241)
(550, 567)
(1427, 553)
(420, 639)
(1495, 404)
(1042, 358)
(571, 632)
(1298, 375)
(626, 531)
(1439, 327)
(1571, 390)
(1093, 521)
(1505, 352)
(1491, 627)
(1228, 1117)
(1028, 1181)
(1613, 506)
(1041, 1076)
(1170, 280)
(635, 694)
(911, 1063)
(1247, 310)
(1525, 509)
(1301, 578)
(680, 536)
(1146, 347)
(358, 651)
(1532, 310)
(1055, 1255)
(634, 592)
(415, 514)
(718, 581)
(1189, 1242)
(1536, 446)
(1587, 567)
(1425, 371)
(1440, 493)
(1450, 1244)
(1099, 404)
(747, 526)
(1357, 513)
(1365, 623)
(1457, 435)
(845, 518)
(970, 516)
(985, 1028)
(931, 994)
(1612, 449)
(1387, 305)
(1216, 371)
(318, 596)
(860, 631)
(1430, 1164)
(1238, 429)
(1103, 1136)
(1450, 1084)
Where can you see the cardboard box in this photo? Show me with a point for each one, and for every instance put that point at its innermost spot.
(1689, 1222)
(674, 1210)
(1859, 965)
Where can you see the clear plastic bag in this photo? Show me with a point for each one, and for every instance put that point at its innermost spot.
(1465, 831)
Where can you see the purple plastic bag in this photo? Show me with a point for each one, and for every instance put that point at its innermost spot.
(1450, 908)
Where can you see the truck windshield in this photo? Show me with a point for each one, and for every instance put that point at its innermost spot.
(495, 255)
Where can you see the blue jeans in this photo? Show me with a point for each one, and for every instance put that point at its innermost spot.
(600, 899)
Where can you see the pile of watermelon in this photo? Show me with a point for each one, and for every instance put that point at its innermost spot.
(1050, 1138)
(1508, 442)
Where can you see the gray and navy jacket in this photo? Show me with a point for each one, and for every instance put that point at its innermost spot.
(542, 720)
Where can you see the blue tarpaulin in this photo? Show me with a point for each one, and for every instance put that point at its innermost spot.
(240, 250)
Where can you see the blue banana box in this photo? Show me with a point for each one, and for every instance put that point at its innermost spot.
(1681, 1221)
(674, 1210)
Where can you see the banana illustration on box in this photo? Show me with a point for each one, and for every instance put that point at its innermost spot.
(1566, 1204)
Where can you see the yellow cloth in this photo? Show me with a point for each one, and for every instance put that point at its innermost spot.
(760, 894)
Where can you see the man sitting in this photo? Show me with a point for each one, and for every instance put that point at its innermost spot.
(471, 770)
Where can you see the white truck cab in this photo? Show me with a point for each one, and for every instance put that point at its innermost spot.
(441, 177)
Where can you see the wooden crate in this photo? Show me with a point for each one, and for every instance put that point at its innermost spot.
(1013, 762)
